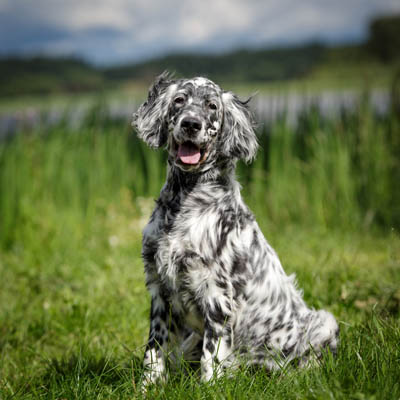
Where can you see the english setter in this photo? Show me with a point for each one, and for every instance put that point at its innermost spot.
(219, 293)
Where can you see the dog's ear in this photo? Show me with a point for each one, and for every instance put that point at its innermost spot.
(150, 119)
(238, 136)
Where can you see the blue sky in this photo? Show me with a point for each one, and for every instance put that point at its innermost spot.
(115, 31)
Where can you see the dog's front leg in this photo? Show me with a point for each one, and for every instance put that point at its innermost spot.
(217, 341)
(154, 357)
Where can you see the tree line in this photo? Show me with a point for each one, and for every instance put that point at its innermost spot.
(43, 75)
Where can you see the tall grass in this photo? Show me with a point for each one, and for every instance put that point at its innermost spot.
(339, 172)
(74, 309)
(336, 173)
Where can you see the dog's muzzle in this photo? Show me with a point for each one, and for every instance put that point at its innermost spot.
(188, 151)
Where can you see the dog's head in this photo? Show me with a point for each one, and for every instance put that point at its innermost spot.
(198, 121)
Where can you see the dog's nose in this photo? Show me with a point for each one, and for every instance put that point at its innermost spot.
(191, 125)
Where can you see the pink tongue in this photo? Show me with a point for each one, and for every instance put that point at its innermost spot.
(189, 153)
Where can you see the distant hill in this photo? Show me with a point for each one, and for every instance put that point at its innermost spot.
(41, 75)
(238, 66)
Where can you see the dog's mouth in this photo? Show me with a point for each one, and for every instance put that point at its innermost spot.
(190, 154)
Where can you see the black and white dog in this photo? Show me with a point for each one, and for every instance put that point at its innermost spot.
(219, 293)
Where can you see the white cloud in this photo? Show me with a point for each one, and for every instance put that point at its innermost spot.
(129, 29)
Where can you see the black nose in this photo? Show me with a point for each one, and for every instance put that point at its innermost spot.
(191, 125)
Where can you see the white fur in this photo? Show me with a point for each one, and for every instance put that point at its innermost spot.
(219, 292)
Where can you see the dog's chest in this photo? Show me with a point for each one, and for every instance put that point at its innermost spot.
(175, 242)
(183, 275)
(180, 253)
(178, 239)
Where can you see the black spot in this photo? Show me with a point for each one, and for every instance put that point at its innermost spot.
(201, 203)
(216, 314)
(251, 301)
(264, 301)
(238, 265)
(267, 323)
(182, 265)
(151, 279)
(255, 243)
(209, 331)
(260, 357)
(225, 225)
(337, 331)
(294, 314)
(287, 351)
(221, 284)
(151, 343)
(244, 217)
(149, 251)
(281, 297)
(210, 346)
(333, 349)
(162, 313)
(216, 360)
(238, 285)
(277, 327)
(160, 340)
(280, 317)
(155, 340)
(267, 342)
(199, 347)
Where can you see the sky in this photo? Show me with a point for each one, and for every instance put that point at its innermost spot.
(110, 32)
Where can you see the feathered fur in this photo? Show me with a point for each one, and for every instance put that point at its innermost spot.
(219, 293)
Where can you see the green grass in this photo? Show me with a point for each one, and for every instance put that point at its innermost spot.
(73, 306)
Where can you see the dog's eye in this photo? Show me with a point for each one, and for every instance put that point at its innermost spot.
(212, 106)
(179, 100)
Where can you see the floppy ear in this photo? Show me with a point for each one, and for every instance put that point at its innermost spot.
(150, 119)
(238, 137)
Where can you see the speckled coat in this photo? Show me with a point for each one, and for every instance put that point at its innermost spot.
(219, 293)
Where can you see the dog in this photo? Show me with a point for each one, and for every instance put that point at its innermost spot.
(219, 294)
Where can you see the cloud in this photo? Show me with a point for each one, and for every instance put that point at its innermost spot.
(108, 31)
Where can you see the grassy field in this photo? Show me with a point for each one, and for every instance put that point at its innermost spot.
(73, 306)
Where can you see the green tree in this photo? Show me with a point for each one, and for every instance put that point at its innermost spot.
(384, 40)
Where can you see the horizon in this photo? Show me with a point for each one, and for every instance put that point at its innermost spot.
(189, 52)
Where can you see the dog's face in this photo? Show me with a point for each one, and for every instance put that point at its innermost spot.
(195, 118)
(200, 123)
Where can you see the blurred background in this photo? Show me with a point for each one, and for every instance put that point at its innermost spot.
(326, 75)
(54, 47)
(66, 53)
(77, 186)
